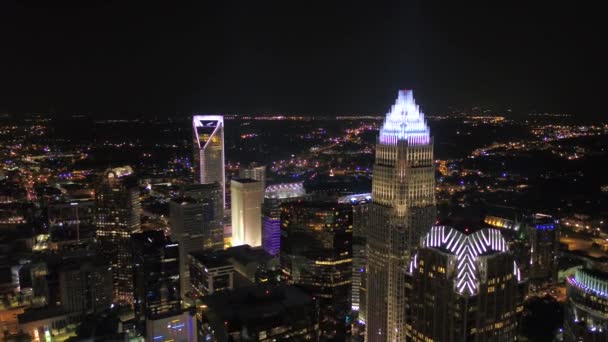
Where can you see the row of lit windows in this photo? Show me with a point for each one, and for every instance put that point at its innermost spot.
(498, 280)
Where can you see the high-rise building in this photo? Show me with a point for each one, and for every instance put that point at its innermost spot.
(257, 173)
(402, 211)
(463, 288)
(259, 313)
(544, 242)
(316, 254)
(208, 143)
(586, 308)
(271, 212)
(85, 285)
(359, 287)
(196, 224)
(246, 206)
(117, 216)
(155, 274)
(534, 239)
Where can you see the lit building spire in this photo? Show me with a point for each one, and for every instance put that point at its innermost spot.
(405, 121)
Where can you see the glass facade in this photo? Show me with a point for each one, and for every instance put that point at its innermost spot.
(155, 274)
(271, 212)
(117, 216)
(316, 254)
(197, 223)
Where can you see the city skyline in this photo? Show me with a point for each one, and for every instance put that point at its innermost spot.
(337, 229)
(333, 171)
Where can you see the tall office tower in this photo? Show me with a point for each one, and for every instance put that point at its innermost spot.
(586, 317)
(196, 224)
(359, 287)
(511, 223)
(316, 254)
(257, 173)
(274, 196)
(208, 143)
(463, 288)
(117, 216)
(534, 239)
(210, 192)
(246, 205)
(85, 285)
(544, 241)
(402, 210)
(156, 275)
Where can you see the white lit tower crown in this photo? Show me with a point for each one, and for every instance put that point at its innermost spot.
(208, 143)
(461, 284)
(403, 210)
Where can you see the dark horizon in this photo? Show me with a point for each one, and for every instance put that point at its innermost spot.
(343, 58)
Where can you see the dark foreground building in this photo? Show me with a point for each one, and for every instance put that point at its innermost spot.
(259, 313)
(155, 275)
(463, 288)
(117, 216)
(316, 255)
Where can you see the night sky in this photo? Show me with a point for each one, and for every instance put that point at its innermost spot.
(112, 58)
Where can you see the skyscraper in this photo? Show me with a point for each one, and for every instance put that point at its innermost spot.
(463, 288)
(208, 143)
(196, 220)
(359, 288)
(316, 254)
(156, 275)
(85, 284)
(271, 212)
(402, 210)
(544, 241)
(117, 216)
(257, 173)
(586, 307)
(534, 239)
(246, 205)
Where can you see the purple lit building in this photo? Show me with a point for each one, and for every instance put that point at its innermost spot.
(274, 196)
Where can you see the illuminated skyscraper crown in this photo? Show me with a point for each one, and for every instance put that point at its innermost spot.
(467, 249)
(405, 121)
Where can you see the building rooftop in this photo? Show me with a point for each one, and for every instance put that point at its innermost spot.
(252, 303)
(467, 248)
(32, 315)
(212, 259)
(245, 254)
(183, 200)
